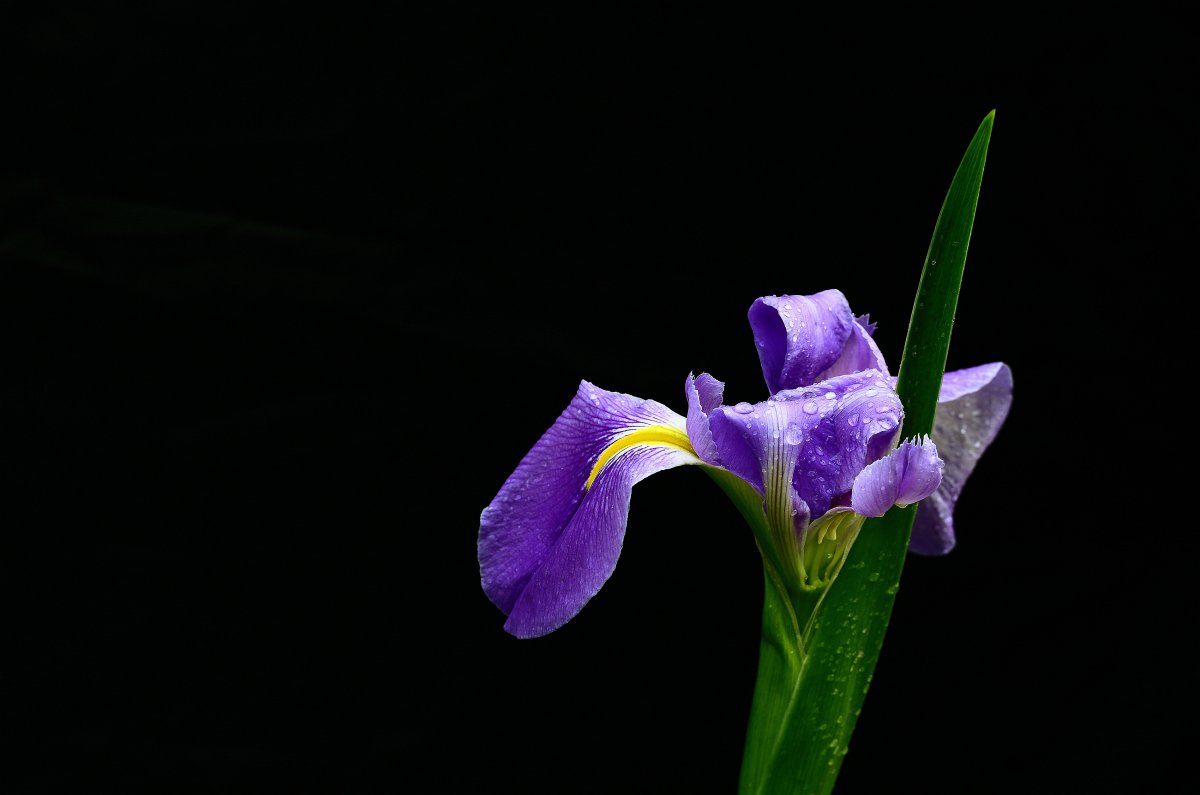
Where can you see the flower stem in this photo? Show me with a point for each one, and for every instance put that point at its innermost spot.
(811, 684)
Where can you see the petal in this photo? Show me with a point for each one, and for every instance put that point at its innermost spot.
(972, 406)
(833, 430)
(865, 322)
(547, 494)
(909, 474)
(703, 395)
(860, 353)
(798, 337)
(585, 554)
(858, 416)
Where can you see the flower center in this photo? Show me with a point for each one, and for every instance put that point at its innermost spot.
(662, 435)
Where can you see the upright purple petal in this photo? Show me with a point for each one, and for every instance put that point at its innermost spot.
(860, 353)
(547, 542)
(703, 395)
(798, 337)
(909, 474)
(972, 406)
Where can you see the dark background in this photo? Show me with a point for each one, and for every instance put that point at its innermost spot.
(286, 297)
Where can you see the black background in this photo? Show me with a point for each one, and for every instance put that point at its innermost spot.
(285, 297)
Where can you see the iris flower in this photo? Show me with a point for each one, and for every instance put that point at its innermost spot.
(821, 452)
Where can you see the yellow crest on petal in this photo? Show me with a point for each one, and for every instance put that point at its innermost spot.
(661, 435)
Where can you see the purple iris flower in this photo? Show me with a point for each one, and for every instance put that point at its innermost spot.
(821, 452)
(803, 339)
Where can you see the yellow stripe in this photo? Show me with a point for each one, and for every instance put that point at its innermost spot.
(654, 434)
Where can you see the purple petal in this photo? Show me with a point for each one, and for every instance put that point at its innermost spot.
(860, 353)
(798, 337)
(909, 474)
(585, 554)
(544, 517)
(826, 433)
(972, 406)
(865, 322)
(856, 426)
(703, 395)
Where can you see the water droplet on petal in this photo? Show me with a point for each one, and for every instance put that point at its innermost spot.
(881, 409)
(743, 408)
(830, 396)
(852, 419)
(810, 407)
(793, 435)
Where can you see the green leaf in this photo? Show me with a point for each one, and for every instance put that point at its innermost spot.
(812, 682)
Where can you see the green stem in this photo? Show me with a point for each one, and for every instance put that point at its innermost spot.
(811, 684)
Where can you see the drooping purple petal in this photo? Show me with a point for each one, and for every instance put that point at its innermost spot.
(703, 395)
(908, 474)
(585, 554)
(860, 353)
(971, 408)
(799, 336)
(548, 532)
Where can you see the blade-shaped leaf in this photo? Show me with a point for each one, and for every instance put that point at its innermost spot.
(811, 687)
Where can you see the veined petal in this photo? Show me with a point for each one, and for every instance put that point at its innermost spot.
(760, 444)
(585, 554)
(548, 541)
(908, 474)
(836, 427)
(703, 396)
(798, 336)
(851, 421)
(971, 408)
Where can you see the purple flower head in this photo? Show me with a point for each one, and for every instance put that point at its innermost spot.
(972, 403)
(820, 452)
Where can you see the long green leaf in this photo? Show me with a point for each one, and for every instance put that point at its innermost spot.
(811, 688)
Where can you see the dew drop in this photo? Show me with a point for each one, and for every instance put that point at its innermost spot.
(852, 419)
(793, 434)
(881, 409)
(810, 407)
(743, 408)
(830, 396)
